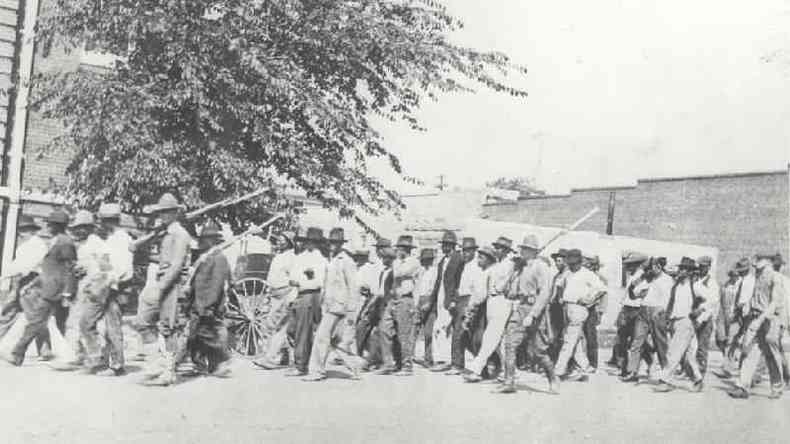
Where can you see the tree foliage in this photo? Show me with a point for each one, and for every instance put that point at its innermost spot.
(215, 98)
(524, 185)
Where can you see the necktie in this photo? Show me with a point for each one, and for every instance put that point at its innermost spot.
(439, 276)
(671, 304)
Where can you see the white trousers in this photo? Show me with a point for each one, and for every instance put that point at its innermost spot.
(497, 313)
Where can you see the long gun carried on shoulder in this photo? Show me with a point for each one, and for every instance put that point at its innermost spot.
(160, 229)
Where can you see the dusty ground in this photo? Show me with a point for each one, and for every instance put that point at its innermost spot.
(42, 406)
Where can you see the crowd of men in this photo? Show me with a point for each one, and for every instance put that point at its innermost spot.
(506, 306)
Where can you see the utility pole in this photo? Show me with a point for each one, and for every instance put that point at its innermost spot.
(442, 185)
(610, 215)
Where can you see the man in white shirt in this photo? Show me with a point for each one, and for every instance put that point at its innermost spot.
(117, 241)
(307, 276)
(499, 270)
(683, 342)
(582, 288)
(471, 284)
(652, 318)
(398, 319)
(629, 313)
(706, 290)
(282, 294)
(422, 295)
(31, 249)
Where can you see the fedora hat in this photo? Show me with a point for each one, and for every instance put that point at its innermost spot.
(27, 223)
(573, 256)
(562, 252)
(109, 211)
(82, 218)
(405, 241)
(360, 253)
(503, 242)
(449, 238)
(312, 234)
(531, 242)
(427, 253)
(634, 258)
(687, 263)
(469, 243)
(337, 235)
(488, 252)
(383, 243)
(166, 202)
(743, 264)
(57, 217)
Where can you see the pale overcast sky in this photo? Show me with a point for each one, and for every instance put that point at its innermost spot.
(619, 90)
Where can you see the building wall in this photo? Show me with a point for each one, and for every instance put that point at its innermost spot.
(740, 214)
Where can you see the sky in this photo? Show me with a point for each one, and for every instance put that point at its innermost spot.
(618, 90)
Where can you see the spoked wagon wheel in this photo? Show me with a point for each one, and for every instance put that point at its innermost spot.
(249, 304)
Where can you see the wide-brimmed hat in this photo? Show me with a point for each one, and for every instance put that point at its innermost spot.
(405, 241)
(488, 252)
(427, 253)
(360, 253)
(573, 256)
(687, 263)
(82, 218)
(57, 217)
(109, 211)
(778, 259)
(732, 273)
(562, 252)
(531, 242)
(312, 234)
(449, 238)
(503, 242)
(383, 243)
(27, 223)
(337, 235)
(704, 261)
(743, 264)
(165, 203)
(633, 258)
(469, 243)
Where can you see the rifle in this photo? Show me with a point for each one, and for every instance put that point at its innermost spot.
(574, 226)
(249, 232)
(160, 229)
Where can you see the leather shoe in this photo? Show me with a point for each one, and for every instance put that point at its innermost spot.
(504, 389)
(314, 377)
(294, 372)
(663, 387)
(472, 378)
(453, 372)
(698, 386)
(110, 372)
(385, 371)
(406, 371)
(739, 393)
(440, 368)
(267, 365)
(631, 377)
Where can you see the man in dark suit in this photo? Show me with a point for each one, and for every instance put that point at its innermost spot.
(444, 297)
(44, 296)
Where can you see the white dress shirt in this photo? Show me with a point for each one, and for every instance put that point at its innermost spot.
(707, 289)
(658, 291)
(29, 255)
(684, 300)
(309, 260)
(581, 286)
(121, 258)
(279, 275)
(472, 282)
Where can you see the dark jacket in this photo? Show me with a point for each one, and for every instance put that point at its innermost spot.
(451, 274)
(57, 269)
(209, 284)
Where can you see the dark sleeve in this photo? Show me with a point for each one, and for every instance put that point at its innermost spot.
(210, 281)
(452, 279)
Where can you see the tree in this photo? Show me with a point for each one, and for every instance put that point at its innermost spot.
(524, 185)
(211, 98)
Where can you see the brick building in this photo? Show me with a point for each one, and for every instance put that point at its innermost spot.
(740, 214)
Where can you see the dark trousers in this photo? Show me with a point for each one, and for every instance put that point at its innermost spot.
(397, 328)
(461, 337)
(95, 309)
(651, 322)
(208, 342)
(557, 322)
(590, 329)
(625, 324)
(704, 333)
(301, 327)
(37, 310)
(537, 339)
(366, 332)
